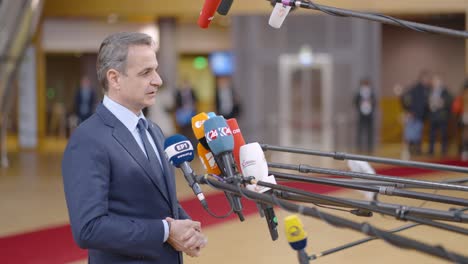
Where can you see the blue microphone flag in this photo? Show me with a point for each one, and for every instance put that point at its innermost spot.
(178, 150)
(218, 135)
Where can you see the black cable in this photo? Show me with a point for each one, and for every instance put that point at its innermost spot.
(362, 241)
(356, 243)
(452, 216)
(399, 213)
(332, 208)
(218, 216)
(307, 4)
(396, 240)
(207, 209)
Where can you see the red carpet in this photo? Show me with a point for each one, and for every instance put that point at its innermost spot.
(56, 246)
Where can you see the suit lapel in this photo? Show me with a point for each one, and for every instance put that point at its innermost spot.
(125, 138)
(168, 170)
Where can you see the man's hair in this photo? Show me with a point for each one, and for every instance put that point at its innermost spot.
(113, 53)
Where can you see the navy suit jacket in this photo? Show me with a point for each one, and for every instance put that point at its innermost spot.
(114, 202)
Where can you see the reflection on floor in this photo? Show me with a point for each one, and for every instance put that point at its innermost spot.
(35, 215)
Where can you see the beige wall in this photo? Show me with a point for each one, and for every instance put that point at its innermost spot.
(405, 53)
(74, 35)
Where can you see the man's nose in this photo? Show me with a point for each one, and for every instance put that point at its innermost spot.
(157, 81)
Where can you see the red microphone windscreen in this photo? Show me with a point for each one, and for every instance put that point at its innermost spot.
(238, 139)
(208, 12)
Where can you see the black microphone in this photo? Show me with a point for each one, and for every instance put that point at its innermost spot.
(223, 8)
(180, 152)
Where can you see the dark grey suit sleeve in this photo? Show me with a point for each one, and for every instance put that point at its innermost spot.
(182, 213)
(86, 176)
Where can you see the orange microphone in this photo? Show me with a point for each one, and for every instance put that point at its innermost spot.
(199, 129)
(208, 160)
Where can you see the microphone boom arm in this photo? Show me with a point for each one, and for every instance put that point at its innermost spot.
(366, 228)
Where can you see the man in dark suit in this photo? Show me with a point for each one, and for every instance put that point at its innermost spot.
(365, 103)
(227, 102)
(85, 99)
(415, 103)
(185, 108)
(119, 188)
(440, 102)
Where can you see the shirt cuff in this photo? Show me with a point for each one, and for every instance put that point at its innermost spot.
(166, 230)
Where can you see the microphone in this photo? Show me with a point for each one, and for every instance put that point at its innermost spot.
(204, 151)
(179, 152)
(198, 128)
(253, 163)
(278, 15)
(296, 237)
(364, 167)
(210, 164)
(208, 12)
(224, 7)
(199, 132)
(238, 139)
(211, 114)
(208, 160)
(221, 142)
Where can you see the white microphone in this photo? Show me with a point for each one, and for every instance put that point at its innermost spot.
(253, 163)
(278, 15)
(363, 167)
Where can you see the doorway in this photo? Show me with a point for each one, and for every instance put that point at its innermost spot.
(305, 102)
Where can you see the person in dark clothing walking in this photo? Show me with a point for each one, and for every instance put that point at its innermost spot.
(440, 101)
(185, 108)
(415, 102)
(365, 104)
(85, 100)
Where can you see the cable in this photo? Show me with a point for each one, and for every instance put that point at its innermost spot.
(362, 241)
(307, 4)
(399, 213)
(396, 240)
(332, 208)
(207, 209)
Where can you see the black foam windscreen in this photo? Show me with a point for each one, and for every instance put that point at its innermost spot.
(223, 8)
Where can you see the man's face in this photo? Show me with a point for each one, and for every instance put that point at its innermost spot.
(138, 86)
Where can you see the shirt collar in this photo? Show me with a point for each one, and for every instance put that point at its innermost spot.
(127, 117)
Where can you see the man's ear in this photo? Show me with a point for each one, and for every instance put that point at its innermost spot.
(113, 79)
